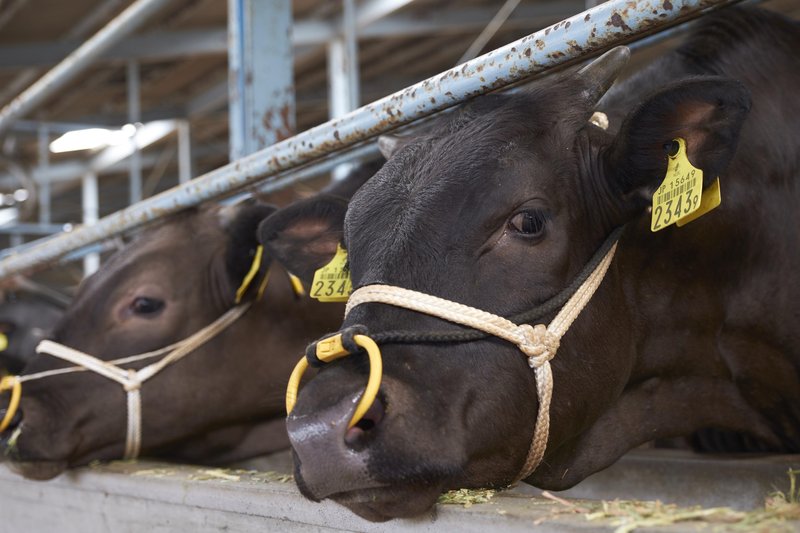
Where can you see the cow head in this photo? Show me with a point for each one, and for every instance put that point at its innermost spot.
(498, 208)
(170, 282)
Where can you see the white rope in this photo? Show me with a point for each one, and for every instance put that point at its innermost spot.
(132, 380)
(539, 343)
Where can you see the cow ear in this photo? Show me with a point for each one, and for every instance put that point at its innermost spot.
(240, 222)
(707, 112)
(390, 144)
(304, 235)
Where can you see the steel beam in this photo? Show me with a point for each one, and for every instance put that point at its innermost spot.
(125, 23)
(43, 194)
(575, 38)
(343, 75)
(90, 201)
(261, 79)
(134, 117)
(31, 229)
(184, 151)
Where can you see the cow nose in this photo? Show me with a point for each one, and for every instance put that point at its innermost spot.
(328, 454)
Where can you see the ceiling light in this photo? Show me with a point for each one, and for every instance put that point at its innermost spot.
(92, 139)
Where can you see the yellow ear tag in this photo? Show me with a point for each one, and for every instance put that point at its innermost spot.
(3, 342)
(710, 200)
(297, 285)
(248, 278)
(332, 282)
(679, 194)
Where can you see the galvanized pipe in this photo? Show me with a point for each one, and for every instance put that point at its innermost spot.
(72, 65)
(574, 38)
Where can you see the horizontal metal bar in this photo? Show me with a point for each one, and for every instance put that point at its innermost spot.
(80, 59)
(574, 38)
(31, 229)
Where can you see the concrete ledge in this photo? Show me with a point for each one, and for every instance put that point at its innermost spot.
(685, 478)
(157, 497)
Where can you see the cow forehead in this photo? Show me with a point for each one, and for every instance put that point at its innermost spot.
(502, 144)
(177, 246)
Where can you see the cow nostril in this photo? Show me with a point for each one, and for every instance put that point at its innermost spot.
(356, 436)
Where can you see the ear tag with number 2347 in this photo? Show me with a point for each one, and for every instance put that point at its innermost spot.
(680, 197)
(332, 282)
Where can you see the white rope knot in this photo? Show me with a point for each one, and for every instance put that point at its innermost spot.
(133, 382)
(539, 344)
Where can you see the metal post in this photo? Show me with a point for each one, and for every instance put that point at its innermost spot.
(184, 151)
(575, 38)
(90, 199)
(44, 163)
(113, 32)
(134, 117)
(343, 82)
(260, 81)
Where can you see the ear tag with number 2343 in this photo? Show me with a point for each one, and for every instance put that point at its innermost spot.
(680, 197)
(332, 282)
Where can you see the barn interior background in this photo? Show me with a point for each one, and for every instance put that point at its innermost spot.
(189, 85)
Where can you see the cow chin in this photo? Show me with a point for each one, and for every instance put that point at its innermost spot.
(386, 503)
(38, 470)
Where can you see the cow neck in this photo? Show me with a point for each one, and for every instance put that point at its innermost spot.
(132, 380)
(539, 343)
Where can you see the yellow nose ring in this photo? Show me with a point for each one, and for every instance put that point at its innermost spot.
(13, 384)
(330, 349)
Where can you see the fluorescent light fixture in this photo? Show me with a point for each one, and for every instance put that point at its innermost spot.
(8, 215)
(20, 195)
(92, 139)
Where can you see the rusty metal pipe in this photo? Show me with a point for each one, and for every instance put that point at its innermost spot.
(577, 37)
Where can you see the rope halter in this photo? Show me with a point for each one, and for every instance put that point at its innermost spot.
(538, 342)
(132, 380)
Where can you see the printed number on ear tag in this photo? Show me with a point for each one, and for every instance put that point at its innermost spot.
(679, 194)
(332, 282)
(710, 200)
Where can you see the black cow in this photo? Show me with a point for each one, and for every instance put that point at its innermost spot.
(502, 206)
(25, 319)
(224, 401)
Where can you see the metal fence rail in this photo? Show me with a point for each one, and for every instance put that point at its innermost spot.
(581, 35)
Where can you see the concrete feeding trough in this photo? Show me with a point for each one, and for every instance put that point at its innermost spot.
(261, 496)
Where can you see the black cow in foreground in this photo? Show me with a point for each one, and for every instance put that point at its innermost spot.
(225, 400)
(500, 207)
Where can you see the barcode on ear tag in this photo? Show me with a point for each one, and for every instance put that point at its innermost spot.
(332, 282)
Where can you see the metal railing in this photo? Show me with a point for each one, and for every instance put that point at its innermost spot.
(574, 38)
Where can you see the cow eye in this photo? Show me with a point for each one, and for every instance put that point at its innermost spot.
(528, 223)
(143, 305)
